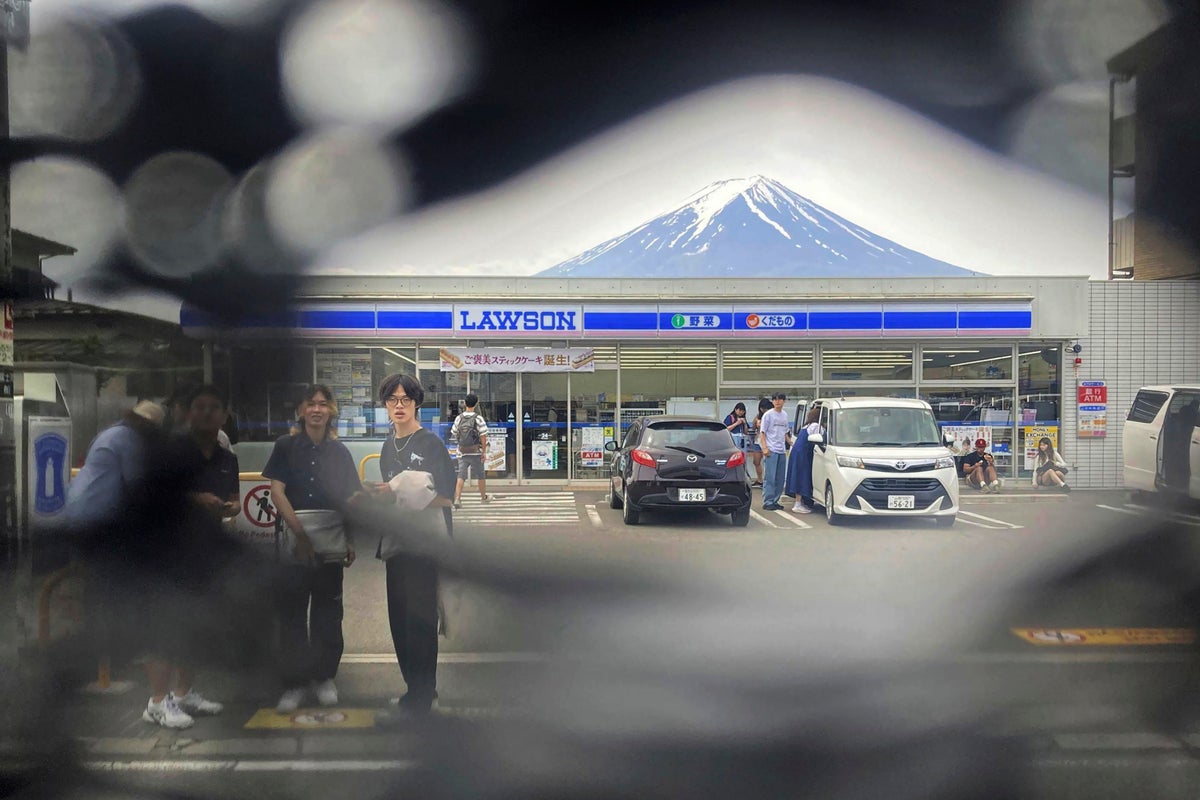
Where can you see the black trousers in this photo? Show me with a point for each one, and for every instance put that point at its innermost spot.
(310, 623)
(412, 583)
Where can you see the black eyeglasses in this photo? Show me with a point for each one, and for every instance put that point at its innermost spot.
(403, 402)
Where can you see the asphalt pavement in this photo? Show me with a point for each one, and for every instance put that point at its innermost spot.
(1036, 605)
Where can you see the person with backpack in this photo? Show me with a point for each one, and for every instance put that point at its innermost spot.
(470, 432)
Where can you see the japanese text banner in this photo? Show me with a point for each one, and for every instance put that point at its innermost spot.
(518, 359)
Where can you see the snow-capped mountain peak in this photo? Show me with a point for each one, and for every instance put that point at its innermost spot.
(752, 226)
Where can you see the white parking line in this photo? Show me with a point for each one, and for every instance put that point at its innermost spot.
(1154, 515)
(1179, 515)
(247, 766)
(794, 520)
(450, 658)
(594, 516)
(977, 524)
(999, 522)
(762, 519)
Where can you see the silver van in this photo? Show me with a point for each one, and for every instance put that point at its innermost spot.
(1161, 441)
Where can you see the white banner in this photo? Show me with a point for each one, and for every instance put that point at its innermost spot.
(591, 448)
(517, 359)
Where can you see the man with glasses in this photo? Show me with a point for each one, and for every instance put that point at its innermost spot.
(774, 433)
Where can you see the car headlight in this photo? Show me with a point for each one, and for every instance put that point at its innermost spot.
(941, 463)
(850, 461)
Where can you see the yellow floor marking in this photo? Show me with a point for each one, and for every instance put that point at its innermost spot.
(1076, 637)
(312, 719)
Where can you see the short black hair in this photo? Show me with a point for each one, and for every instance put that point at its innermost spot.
(206, 390)
(779, 396)
(471, 400)
(412, 387)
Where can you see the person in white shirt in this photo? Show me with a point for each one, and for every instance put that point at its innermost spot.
(774, 434)
(1049, 468)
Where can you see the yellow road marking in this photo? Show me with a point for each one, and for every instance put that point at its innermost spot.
(1077, 637)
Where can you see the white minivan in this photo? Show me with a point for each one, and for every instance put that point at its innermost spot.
(882, 456)
(1161, 442)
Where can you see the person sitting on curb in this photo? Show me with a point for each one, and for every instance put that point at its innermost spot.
(1049, 466)
(980, 468)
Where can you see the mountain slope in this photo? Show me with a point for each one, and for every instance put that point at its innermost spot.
(751, 227)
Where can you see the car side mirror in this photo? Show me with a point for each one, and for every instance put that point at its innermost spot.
(610, 445)
(816, 438)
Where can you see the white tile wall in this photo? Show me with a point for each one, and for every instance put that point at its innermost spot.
(1140, 333)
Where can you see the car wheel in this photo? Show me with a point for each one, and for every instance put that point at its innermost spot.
(741, 517)
(831, 516)
(630, 514)
(945, 522)
(614, 501)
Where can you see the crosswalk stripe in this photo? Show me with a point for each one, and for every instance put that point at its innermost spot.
(542, 508)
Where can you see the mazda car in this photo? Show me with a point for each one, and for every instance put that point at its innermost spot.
(667, 463)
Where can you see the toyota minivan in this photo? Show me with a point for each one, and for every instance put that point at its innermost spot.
(1161, 443)
(882, 456)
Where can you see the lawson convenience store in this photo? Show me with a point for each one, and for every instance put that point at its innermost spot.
(563, 365)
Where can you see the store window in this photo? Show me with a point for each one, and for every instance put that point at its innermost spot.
(267, 383)
(671, 379)
(970, 414)
(592, 414)
(866, 364)
(777, 365)
(939, 363)
(1039, 399)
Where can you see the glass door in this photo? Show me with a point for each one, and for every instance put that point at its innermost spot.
(497, 393)
(545, 448)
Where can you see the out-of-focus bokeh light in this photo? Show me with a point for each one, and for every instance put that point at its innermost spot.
(373, 62)
(77, 80)
(174, 204)
(224, 11)
(332, 185)
(70, 202)
(246, 228)
(1064, 133)
(1062, 41)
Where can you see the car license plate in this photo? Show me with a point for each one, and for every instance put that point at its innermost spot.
(692, 496)
(902, 501)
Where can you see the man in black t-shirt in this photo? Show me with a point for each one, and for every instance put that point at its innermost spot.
(980, 469)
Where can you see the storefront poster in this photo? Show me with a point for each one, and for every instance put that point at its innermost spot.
(544, 455)
(1092, 397)
(497, 439)
(517, 359)
(965, 437)
(1032, 436)
(591, 448)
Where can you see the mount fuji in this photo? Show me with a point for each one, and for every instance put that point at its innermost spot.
(751, 227)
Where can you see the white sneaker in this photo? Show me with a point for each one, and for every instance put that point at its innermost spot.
(167, 713)
(995, 487)
(326, 693)
(196, 704)
(290, 700)
(800, 508)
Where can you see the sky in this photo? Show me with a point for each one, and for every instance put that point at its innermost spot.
(859, 155)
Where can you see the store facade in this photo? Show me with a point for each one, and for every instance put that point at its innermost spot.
(561, 366)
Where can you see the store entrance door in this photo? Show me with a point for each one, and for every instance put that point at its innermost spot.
(527, 424)
(545, 448)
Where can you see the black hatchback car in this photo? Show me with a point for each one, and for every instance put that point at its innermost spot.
(669, 462)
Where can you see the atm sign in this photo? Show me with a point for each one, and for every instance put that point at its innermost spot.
(770, 321)
(1093, 393)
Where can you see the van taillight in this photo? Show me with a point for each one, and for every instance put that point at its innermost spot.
(643, 458)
